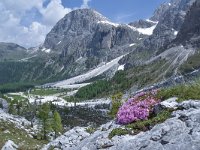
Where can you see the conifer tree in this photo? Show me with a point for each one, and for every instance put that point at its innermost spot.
(45, 119)
(57, 124)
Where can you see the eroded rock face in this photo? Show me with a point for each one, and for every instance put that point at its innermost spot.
(85, 33)
(169, 24)
(190, 31)
(170, 17)
(142, 24)
(4, 105)
(83, 39)
(69, 139)
(181, 132)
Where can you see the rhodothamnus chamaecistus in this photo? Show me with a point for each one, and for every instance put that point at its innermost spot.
(137, 108)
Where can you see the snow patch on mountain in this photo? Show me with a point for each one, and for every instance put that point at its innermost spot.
(61, 102)
(46, 50)
(175, 33)
(58, 42)
(121, 67)
(27, 58)
(148, 20)
(131, 44)
(109, 23)
(72, 82)
(79, 59)
(147, 31)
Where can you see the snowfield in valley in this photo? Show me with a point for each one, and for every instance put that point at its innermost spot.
(72, 82)
(61, 102)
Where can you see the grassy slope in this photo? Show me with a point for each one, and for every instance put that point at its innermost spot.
(46, 92)
(191, 64)
(8, 131)
(140, 77)
(182, 92)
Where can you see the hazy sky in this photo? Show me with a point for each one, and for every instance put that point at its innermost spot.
(26, 22)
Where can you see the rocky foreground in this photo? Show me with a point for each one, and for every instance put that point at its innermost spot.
(180, 132)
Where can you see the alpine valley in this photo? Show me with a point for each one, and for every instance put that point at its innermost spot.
(94, 84)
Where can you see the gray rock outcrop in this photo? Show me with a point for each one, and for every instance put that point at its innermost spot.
(10, 145)
(180, 132)
(4, 105)
(190, 31)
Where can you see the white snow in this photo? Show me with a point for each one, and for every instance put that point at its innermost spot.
(58, 42)
(146, 31)
(121, 67)
(169, 4)
(61, 102)
(108, 22)
(140, 38)
(91, 103)
(79, 59)
(131, 44)
(46, 50)
(175, 33)
(27, 58)
(71, 93)
(71, 86)
(54, 99)
(148, 20)
(62, 68)
(71, 83)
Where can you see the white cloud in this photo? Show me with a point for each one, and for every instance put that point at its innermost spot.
(53, 12)
(85, 4)
(14, 29)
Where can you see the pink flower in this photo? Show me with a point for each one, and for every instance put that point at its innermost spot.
(137, 108)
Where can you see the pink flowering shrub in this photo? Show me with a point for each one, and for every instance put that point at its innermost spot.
(137, 108)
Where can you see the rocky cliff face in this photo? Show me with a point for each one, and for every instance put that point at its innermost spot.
(169, 24)
(81, 41)
(143, 23)
(170, 17)
(190, 31)
(86, 33)
(84, 39)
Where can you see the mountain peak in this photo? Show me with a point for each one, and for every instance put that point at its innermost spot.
(85, 13)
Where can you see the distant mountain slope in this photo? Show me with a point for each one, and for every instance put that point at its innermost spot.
(78, 43)
(85, 38)
(170, 17)
(11, 51)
